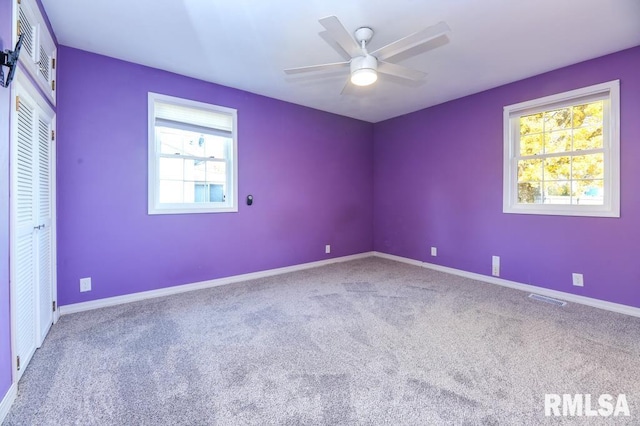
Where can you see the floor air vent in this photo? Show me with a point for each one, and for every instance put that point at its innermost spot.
(547, 299)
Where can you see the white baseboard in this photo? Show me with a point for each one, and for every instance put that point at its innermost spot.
(7, 401)
(569, 297)
(134, 297)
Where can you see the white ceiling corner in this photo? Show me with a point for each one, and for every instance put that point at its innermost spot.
(246, 44)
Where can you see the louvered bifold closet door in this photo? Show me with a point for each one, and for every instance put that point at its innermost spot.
(33, 219)
(44, 234)
(24, 240)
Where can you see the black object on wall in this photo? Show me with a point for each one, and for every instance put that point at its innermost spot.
(9, 59)
(249, 200)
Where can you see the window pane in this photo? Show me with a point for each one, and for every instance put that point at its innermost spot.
(200, 195)
(588, 166)
(189, 188)
(558, 119)
(189, 169)
(171, 168)
(587, 138)
(531, 124)
(199, 169)
(588, 192)
(181, 142)
(558, 141)
(216, 171)
(216, 147)
(170, 191)
(531, 144)
(216, 193)
(557, 168)
(591, 114)
(193, 143)
(557, 192)
(529, 193)
(529, 170)
(205, 192)
(170, 141)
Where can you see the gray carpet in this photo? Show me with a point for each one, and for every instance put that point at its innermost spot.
(369, 341)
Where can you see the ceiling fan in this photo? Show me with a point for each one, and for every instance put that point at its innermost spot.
(364, 65)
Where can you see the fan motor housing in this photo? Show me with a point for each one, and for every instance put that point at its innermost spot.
(364, 62)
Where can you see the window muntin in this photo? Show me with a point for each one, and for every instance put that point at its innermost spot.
(192, 148)
(561, 154)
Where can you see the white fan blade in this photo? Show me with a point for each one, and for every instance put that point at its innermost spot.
(312, 68)
(411, 41)
(331, 42)
(339, 33)
(400, 71)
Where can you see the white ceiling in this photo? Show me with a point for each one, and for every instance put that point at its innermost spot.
(247, 43)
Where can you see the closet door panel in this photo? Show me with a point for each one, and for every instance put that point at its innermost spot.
(24, 231)
(44, 233)
(32, 221)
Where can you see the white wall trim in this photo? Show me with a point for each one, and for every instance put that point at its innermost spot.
(609, 93)
(7, 401)
(574, 298)
(134, 297)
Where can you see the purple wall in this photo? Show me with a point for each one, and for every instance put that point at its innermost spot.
(310, 173)
(438, 182)
(5, 103)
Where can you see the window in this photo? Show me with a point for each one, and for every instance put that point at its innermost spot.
(561, 154)
(192, 157)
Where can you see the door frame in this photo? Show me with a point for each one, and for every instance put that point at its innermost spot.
(23, 83)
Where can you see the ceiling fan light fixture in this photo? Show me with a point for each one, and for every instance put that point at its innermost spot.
(363, 70)
(364, 77)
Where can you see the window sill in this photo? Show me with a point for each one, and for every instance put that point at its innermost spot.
(191, 210)
(551, 210)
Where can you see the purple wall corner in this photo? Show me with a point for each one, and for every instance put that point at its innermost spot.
(443, 166)
(309, 172)
(5, 102)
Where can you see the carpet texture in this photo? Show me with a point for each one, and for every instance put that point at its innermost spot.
(369, 341)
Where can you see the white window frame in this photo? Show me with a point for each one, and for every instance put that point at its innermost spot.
(154, 206)
(610, 92)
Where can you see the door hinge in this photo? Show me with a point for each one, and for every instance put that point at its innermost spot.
(54, 306)
(53, 63)
(53, 85)
(18, 362)
(19, 1)
(17, 103)
(53, 135)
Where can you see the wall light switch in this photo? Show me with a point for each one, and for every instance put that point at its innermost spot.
(434, 251)
(327, 248)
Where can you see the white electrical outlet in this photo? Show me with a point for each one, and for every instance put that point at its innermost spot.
(434, 251)
(85, 284)
(495, 266)
(578, 280)
(327, 248)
